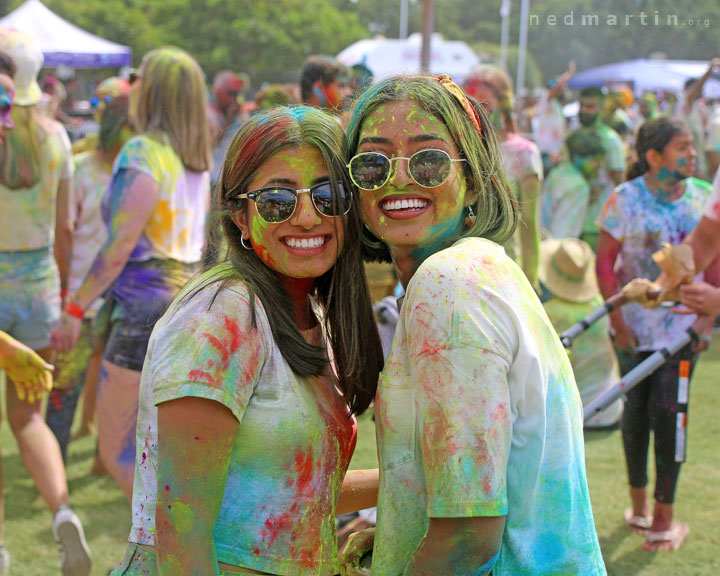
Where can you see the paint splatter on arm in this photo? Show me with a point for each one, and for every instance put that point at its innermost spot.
(133, 196)
(195, 439)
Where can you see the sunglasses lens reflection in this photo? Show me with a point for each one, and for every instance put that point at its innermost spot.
(276, 204)
(324, 202)
(430, 168)
(369, 171)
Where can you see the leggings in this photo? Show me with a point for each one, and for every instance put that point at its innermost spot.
(658, 403)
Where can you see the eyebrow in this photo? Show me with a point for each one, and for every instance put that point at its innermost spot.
(292, 183)
(412, 139)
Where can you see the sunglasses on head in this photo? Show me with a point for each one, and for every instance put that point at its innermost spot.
(429, 168)
(95, 101)
(277, 204)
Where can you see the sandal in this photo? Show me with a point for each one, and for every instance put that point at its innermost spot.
(667, 539)
(637, 524)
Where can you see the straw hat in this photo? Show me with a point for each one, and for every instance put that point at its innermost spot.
(567, 268)
(29, 59)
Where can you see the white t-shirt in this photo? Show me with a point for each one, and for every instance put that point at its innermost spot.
(478, 414)
(176, 228)
(548, 127)
(27, 216)
(91, 180)
(293, 444)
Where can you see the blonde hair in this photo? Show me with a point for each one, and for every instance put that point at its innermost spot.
(172, 101)
(21, 153)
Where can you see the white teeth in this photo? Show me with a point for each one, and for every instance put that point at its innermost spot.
(306, 243)
(404, 204)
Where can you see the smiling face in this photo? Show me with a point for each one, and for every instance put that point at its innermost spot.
(408, 218)
(308, 244)
(678, 158)
(7, 89)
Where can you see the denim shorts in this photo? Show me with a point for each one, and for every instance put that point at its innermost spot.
(136, 302)
(29, 296)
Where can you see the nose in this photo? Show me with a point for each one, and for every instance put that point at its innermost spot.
(305, 215)
(400, 172)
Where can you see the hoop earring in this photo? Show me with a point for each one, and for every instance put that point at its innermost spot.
(470, 218)
(242, 241)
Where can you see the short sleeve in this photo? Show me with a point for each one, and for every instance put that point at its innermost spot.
(208, 348)
(612, 219)
(712, 207)
(137, 154)
(460, 362)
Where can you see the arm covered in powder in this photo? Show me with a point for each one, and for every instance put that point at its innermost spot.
(195, 439)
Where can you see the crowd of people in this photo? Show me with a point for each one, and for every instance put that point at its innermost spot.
(202, 271)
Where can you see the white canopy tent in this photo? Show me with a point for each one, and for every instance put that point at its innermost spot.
(62, 43)
(387, 56)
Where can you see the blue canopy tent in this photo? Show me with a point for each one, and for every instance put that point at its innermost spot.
(62, 43)
(646, 75)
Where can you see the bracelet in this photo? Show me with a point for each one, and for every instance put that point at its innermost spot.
(64, 292)
(74, 310)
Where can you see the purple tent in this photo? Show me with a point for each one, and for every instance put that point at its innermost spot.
(62, 43)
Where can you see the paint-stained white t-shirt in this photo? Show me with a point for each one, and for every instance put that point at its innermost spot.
(27, 215)
(478, 414)
(293, 444)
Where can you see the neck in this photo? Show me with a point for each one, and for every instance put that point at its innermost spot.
(664, 185)
(299, 290)
(108, 157)
(407, 259)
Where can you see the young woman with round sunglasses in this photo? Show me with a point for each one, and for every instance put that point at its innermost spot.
(478, 416)
(246, 428)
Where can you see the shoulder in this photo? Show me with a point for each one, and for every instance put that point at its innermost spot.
(701, 186)
(469, 264)
(85, 160)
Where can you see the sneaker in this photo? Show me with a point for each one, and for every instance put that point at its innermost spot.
(75, 557)
(4, 560)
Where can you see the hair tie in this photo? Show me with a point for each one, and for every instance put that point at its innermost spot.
(457, 93)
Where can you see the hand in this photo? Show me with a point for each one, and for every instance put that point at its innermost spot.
(700, 298)
(359, 544)
(65, 335)
(625, 338)
(703, 328)
(31, 375)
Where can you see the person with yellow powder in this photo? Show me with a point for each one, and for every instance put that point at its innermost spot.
(155, 210)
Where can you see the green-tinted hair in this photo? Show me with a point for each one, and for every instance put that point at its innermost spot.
(113, 120)
(495, 206)
(21, 153)
(342, 292)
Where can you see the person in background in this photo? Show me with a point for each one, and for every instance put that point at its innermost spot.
(322, 83)
(567, 271)
(35, 246)
(566, 191)
(104, 93)
(612, 171)
(712, 142)
(548, 125)
(155, 211)
(226, 118)
(253, 375)
(692, 110)
(523, 164)
(93, 171)
(272, 96)
(660, 203)
(475, 370)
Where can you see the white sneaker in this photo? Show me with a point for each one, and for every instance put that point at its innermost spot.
(4, 561)
(75, 557)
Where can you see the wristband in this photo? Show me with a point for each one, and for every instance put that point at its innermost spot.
(63, 293)
(74, 310)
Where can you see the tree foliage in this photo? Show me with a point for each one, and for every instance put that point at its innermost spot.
(270, 39)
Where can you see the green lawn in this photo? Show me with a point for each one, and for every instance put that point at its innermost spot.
(107, 517)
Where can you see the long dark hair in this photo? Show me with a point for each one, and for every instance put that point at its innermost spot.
(653, 134)
(342, 292)
(495, 207)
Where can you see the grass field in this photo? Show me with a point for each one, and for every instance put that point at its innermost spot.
(106, 515)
